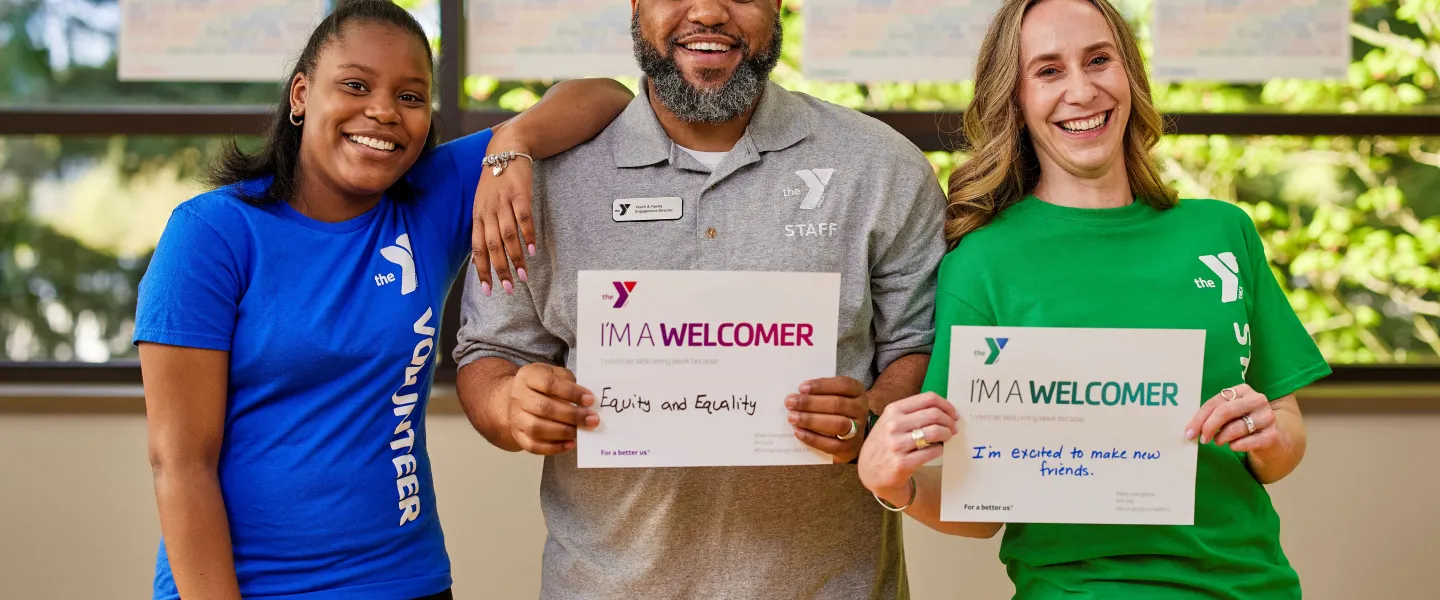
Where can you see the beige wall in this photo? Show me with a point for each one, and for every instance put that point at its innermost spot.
(77, 519)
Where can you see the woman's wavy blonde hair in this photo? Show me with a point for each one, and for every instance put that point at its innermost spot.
(1003, 167)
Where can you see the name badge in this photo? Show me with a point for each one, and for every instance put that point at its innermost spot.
(646, 209)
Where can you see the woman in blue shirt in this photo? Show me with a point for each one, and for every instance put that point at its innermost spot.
(288, 324)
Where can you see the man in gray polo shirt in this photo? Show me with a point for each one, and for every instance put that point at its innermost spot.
(767, 180)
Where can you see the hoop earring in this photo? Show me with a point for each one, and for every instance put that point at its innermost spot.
(295, 122)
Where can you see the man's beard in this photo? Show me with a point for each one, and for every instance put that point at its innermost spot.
(694, 105)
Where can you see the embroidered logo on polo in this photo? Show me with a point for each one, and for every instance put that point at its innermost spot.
(1227, 270)
(815, 182)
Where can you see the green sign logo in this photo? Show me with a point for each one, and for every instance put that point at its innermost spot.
(996, 345)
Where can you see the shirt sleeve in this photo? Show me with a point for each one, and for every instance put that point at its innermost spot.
(902, 276)
(950, 311)
(190, 293)
(446, 182)
(1283, 355)
(508, 326)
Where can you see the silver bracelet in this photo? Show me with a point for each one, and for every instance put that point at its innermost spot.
(913, 493)
(498, 162)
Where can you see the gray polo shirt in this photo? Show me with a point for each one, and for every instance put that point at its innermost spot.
(810, 187)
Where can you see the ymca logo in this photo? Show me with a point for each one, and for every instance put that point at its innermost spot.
(623, 289)
(815, 180)
(1227, 269)
(623, 208)
(996, 345)
(404, 257)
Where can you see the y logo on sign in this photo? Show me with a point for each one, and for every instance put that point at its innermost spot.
(1228, 270)
(816, 180)
(623, 289)
(623, 208)
(404, 257)
(996, 345)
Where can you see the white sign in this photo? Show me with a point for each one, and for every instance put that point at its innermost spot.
(691, 368)
(1069, 425)
(1249, 41)
(894, 40)
(555, 39)
(213, 40)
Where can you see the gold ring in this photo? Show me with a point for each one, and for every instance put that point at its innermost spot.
(1229, 397)
(919, 436)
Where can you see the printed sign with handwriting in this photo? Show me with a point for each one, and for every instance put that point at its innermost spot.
(1072, 425)
(691, 368)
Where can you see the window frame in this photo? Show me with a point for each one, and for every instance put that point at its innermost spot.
(930, 131)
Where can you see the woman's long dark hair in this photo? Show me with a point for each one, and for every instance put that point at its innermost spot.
(279, 156)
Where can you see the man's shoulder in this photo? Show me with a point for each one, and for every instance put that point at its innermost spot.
(855, 132)
(592, 152)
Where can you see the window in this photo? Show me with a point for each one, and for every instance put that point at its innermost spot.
(81, 218)
(1352, 222)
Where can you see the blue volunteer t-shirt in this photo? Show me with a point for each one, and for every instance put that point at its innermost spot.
(333, 331)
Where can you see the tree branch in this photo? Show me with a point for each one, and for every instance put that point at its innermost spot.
(1367, 337)
(1426, 333)
(1398, 43)
(1423, 157)
(1414, 303)
(1331, 324)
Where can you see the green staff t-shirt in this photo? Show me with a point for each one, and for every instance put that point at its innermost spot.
(1199, 265)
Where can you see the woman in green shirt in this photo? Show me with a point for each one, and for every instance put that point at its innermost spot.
(1061, 219)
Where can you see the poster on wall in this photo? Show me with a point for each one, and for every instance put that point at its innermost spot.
(894, 40)
(213, 40)
(1250, 41)
(521, 40)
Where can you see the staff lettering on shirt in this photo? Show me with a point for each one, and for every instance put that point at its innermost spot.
(812, 230)
(406, 482)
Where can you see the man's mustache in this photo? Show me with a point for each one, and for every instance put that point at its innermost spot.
(737, 41)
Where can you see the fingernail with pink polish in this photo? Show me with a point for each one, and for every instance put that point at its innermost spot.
(523, 277)
(1189, 434)
(532, 249)
(509, 287)
(485, 288)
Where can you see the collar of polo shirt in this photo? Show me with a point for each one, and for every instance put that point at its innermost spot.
(778, 123)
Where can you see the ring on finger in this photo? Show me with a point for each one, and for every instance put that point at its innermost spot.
(919, 436)
(854, 430)
(1228, 394)
(1249, 424)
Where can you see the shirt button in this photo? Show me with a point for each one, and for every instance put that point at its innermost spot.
(710, 233)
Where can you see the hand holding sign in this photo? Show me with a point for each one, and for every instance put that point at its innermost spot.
(545, 407)
(829, 415)
(893, 452)
(1239, 416)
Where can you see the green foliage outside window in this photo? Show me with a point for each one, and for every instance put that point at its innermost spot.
(1351, 223)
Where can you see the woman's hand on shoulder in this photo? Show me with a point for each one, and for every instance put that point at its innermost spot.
(504, 227)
